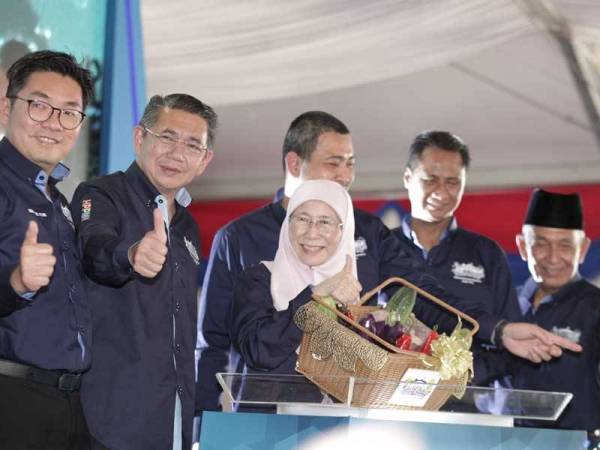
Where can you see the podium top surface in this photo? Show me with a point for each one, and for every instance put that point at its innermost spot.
(297, 391)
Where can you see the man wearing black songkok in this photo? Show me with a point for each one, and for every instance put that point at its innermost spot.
(558, 299)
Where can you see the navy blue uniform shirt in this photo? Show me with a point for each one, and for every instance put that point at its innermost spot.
(266, 339)
(254, 237)
(573, 312)
(52, 329)
(473, 268)
(145, 329)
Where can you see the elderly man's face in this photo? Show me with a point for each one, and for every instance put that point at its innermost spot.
(171, 166)
(552, 254)
(435, 185)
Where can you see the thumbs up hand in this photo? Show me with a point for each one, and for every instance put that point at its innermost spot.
(36, 263)
(343, 286)
(148, 256)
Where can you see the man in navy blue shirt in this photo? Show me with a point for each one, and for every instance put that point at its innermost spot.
(469, 265)
(558, 299)
(140, 252)
(45, 323)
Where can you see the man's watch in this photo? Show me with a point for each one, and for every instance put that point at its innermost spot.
(498, 334)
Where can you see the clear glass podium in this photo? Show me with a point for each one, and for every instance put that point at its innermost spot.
(295, 395)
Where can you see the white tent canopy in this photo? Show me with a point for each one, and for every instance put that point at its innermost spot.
(516, 79)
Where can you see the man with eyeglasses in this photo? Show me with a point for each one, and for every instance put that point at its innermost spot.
(141, 253)
(45, 323)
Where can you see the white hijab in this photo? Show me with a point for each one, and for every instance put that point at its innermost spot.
(289, 275)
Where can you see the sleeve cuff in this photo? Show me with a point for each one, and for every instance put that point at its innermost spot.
(10, 300)
(487, 323)
(121, 256)
(301, 299)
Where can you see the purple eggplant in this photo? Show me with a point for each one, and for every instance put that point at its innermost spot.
(379, 328)
(369, 323)
(392, 332)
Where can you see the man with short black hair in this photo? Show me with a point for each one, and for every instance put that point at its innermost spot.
(470, 266)
(140, 251)
(45, 323)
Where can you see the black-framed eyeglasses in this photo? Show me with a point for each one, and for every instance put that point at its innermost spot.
(192, 147)
(40, 111)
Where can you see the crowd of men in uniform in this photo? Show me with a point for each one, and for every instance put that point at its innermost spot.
(99, 312)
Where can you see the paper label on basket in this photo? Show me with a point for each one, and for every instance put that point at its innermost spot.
(415, 388)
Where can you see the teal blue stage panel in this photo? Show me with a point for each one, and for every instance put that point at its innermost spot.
(252, 431)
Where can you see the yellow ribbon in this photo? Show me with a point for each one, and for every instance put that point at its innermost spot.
(454, 353)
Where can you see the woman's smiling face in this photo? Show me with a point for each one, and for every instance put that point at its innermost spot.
(315, 232)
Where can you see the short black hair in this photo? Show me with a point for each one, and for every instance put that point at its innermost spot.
(442, 140)
(49, 61)
(183, 102)
(304, 131)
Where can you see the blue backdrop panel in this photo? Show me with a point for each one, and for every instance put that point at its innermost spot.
(245, 431)
(124, 86)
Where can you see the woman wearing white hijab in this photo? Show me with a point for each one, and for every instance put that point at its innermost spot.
(316, 254)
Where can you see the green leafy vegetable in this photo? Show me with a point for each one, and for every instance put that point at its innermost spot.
(400, 306)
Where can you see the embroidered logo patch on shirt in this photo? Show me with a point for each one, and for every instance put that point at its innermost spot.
(568, 333)
(86, 209)
(360, 246)
(468, 273)
(193, 252)
(35, 213)
(67, 213)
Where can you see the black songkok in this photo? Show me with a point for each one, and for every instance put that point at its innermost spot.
(553, 210)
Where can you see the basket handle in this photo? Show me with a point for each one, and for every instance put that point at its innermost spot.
(355, 324)
(425, 294)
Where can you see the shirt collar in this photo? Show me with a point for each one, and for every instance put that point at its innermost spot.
(27, 169)
(410, 234)
(146, 189)
(528, 290)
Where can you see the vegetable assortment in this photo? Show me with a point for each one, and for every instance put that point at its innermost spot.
(395, 323)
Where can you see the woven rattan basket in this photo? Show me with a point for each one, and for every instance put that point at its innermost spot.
(362, 373)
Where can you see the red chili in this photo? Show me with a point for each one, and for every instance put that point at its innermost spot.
(403, 342)
(432, 336)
